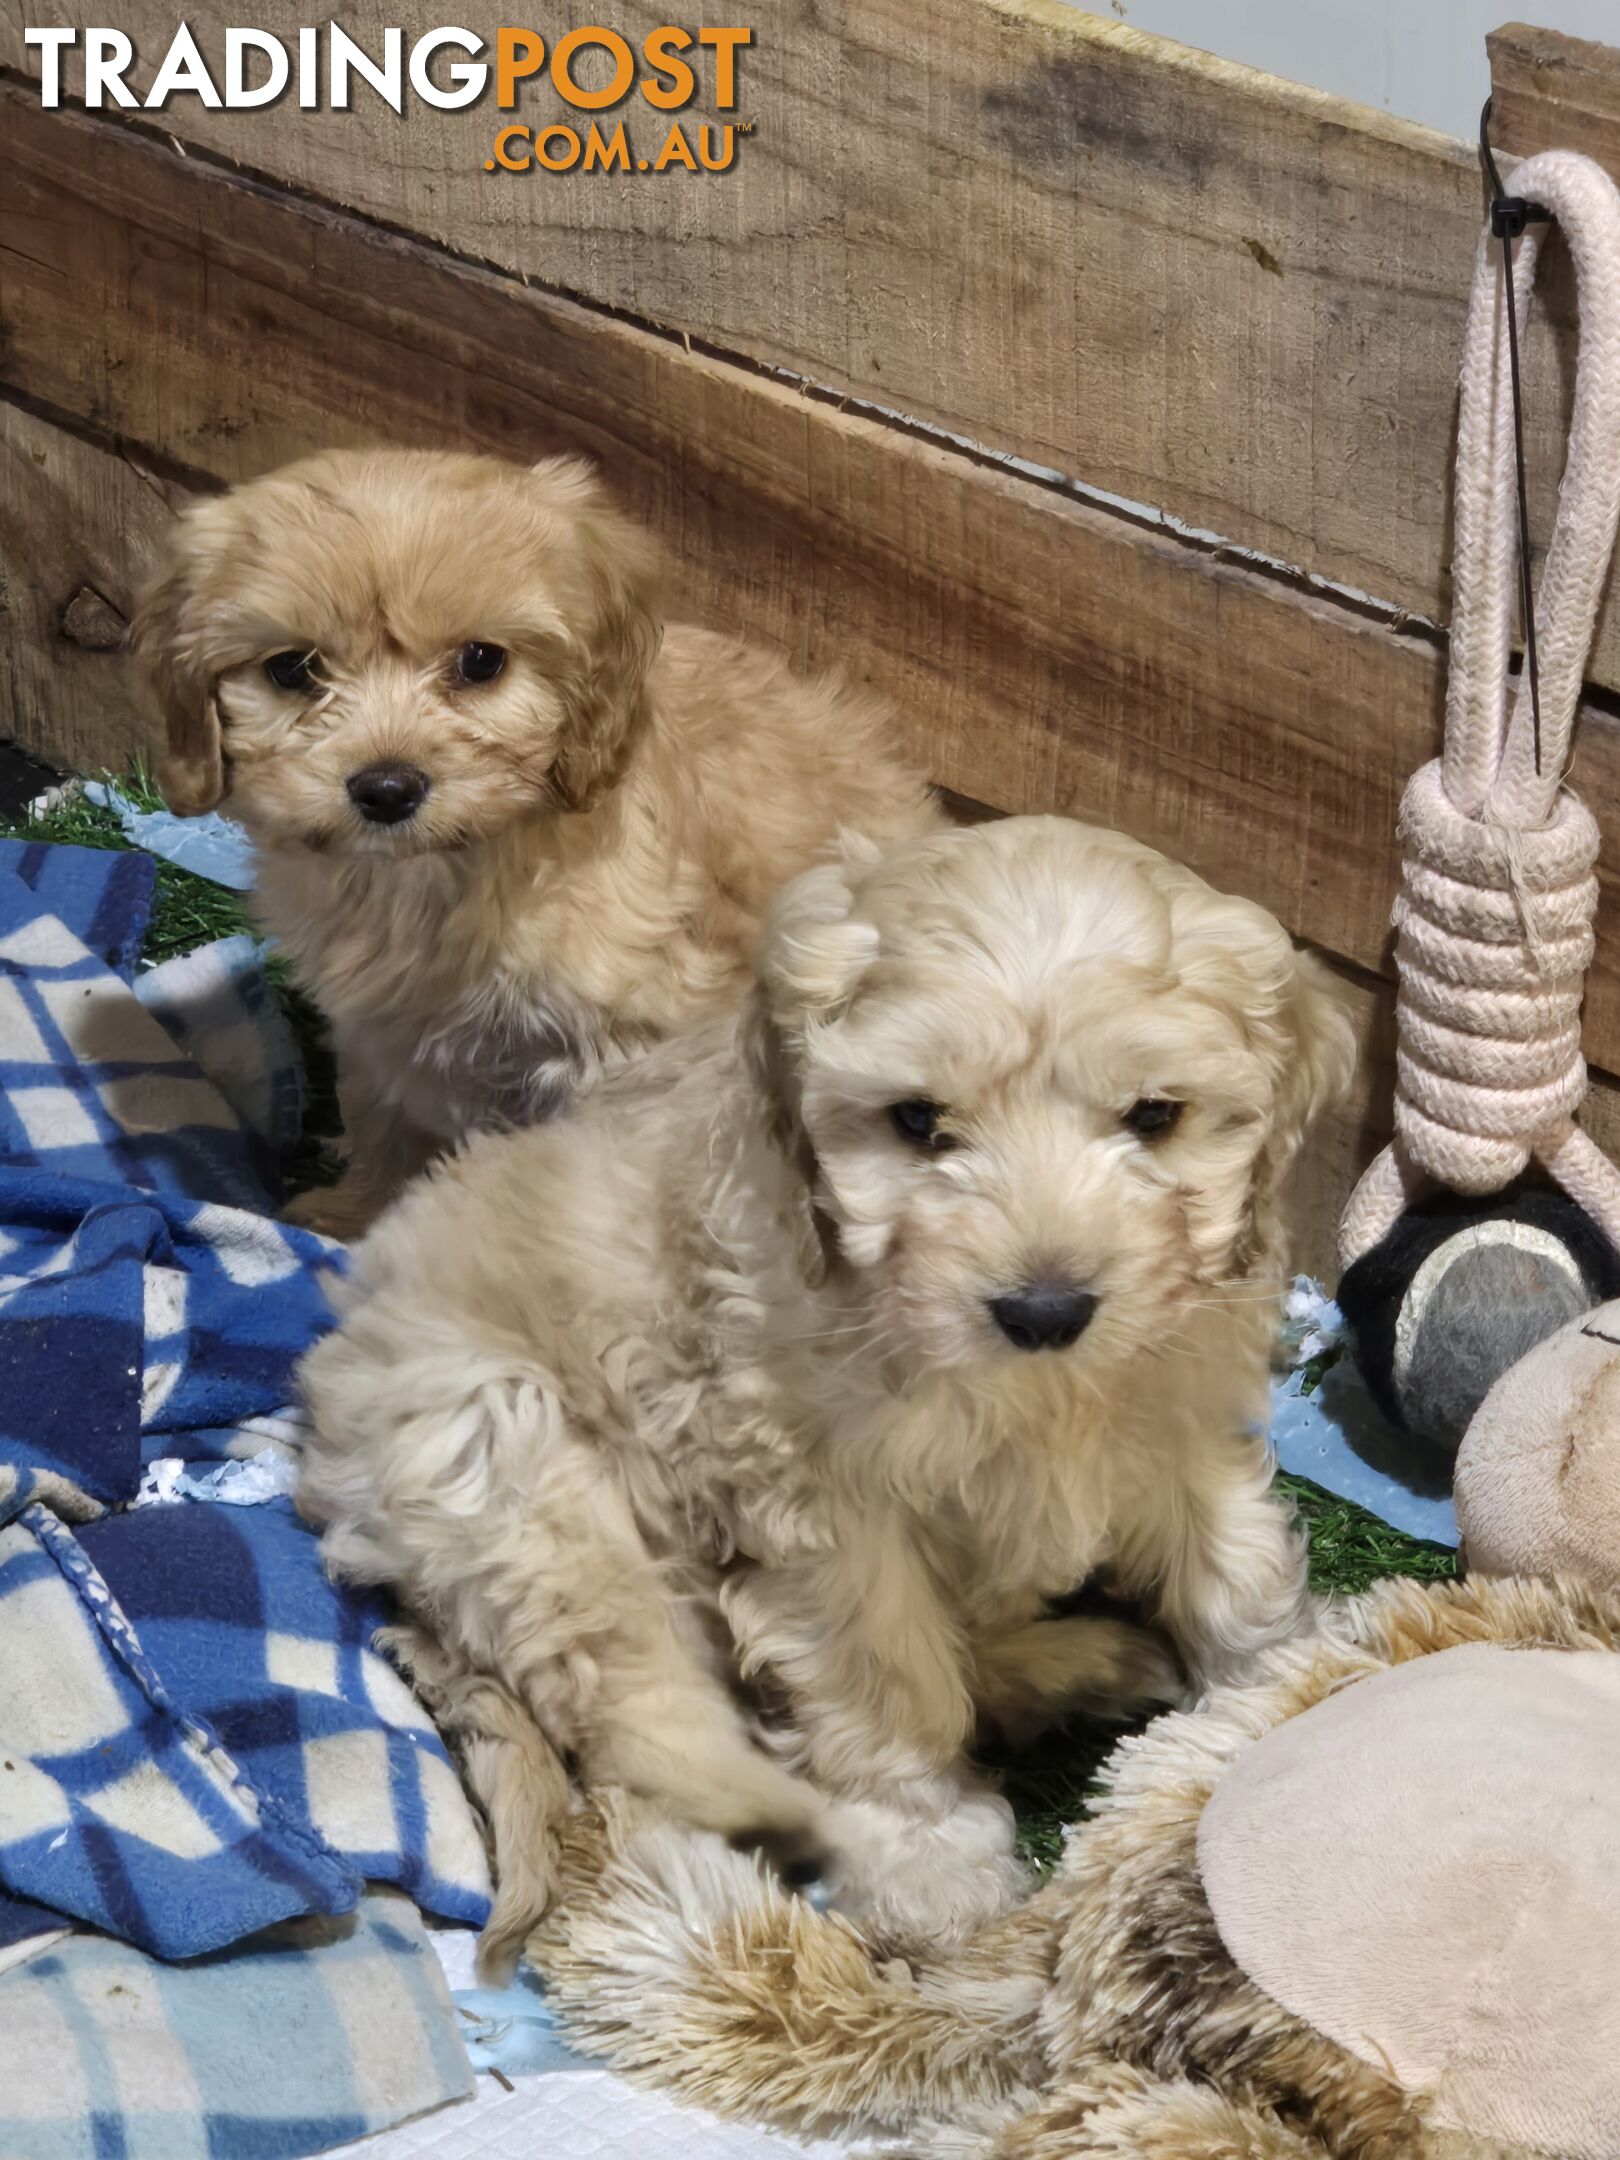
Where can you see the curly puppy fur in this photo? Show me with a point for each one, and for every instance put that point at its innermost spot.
(1103, 2020)
(603, 819)
(711, 1383)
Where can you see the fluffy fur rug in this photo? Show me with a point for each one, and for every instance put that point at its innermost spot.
(1103, 2018)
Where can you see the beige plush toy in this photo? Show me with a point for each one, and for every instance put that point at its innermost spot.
(1365, 1907)
(1538, 1473)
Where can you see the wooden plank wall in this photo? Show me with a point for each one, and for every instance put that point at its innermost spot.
(1233, 299)
(78, 522)
(1550, 91)
(1045, 246)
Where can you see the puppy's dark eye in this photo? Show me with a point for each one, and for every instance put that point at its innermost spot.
(293, 669)
(918, 1122)
(478, 663)
(1150, 1117)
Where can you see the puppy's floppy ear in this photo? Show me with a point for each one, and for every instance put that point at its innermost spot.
(603, 681)
(1294, 1016)
(808, 961)
(165, 639)
(812, 953)
(1319, 1057)
(774, 1064)
(1324, 1052)
(1285, 1000)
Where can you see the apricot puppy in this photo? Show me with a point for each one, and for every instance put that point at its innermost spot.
(831, 1354)
(509, 826)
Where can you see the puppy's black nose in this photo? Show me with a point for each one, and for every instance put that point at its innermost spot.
(388, 794)
(1045, 1316)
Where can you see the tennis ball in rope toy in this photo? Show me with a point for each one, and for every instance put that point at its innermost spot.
(1459, 1290)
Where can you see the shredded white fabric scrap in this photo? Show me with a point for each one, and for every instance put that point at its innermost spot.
(269, 1475)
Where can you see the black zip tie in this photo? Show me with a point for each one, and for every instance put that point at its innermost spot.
(1510, 214)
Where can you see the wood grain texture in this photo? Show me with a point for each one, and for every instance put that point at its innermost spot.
(1233, 299)
(77, 524)
(1044, 654)
(1551, 92)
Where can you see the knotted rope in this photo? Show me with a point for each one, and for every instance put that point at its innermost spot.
(1494, 915)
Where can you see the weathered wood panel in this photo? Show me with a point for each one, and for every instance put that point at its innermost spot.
(77, 524)
(1231, 298)
(1045, 654)
(1549, 92)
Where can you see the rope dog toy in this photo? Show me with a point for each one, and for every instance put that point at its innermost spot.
(1498, 884)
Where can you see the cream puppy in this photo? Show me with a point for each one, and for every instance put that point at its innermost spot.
(824, 1359)
(508, 826)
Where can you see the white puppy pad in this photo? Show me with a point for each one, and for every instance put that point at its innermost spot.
(579, 2115)
(1426, 1869)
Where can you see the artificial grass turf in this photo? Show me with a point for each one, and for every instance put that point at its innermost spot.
(1049, 1785)
(1351, 1550)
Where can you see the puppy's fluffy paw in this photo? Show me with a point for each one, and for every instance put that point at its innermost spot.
(917, 1880)
(344, 1211)
(1035, 1678)
(798, 1856)
(1149, 1673)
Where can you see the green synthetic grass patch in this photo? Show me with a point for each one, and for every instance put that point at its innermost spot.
(1351, 1550)
(1050, 1785)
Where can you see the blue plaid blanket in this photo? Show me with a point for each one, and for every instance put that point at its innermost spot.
(107, 898)
(217, 1004)
(196, 1738)
(308, 2037)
